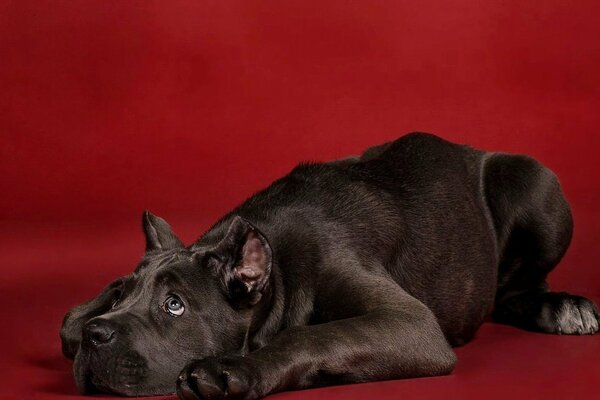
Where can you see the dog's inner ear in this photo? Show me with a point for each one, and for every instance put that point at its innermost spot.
(253, 263)
(159, 235)
(246, 273)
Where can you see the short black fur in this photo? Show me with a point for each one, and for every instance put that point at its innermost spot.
(361, 269)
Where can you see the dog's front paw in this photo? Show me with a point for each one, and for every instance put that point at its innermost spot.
(218, 378)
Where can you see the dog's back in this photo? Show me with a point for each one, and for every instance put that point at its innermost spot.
(418, 206)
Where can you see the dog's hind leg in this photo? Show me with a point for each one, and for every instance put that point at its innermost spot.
(534, 226)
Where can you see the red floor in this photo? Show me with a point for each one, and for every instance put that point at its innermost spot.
(46, 271)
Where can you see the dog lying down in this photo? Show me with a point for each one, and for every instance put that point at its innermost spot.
(363, 269)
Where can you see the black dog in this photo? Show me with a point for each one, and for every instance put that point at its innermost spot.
(357, 270)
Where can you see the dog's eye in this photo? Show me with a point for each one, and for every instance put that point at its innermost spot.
(174, 306)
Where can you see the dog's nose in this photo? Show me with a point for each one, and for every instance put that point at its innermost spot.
(98, 332)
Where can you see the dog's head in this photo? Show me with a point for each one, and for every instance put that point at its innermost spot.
(179, 304)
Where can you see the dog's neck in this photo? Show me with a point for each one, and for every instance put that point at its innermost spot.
(268, 314)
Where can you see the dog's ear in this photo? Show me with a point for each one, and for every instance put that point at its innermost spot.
(244, 260)
(159, 235)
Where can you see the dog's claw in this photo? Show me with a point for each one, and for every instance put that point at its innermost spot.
(215, 378)
(184, 391)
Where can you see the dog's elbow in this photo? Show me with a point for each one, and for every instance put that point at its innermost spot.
(435, 353)
(446, 362)
(423, 343)
(436, 360)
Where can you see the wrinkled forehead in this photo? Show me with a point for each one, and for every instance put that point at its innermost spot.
(155, 261)
(154, 269)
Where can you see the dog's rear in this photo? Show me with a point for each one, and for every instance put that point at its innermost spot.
(529, 219)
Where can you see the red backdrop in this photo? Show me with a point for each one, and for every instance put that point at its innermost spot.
(186, 108)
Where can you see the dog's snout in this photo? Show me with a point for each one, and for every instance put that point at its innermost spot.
(98, 332)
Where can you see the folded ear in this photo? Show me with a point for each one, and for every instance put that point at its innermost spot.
(159, 235)
(244, 257)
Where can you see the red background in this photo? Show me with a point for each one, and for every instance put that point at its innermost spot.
(186, 108)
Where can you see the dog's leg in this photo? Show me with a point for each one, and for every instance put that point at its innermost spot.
(534, 227)
(384, 334)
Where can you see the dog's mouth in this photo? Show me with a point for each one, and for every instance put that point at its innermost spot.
(122, 374)
(90, 384)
